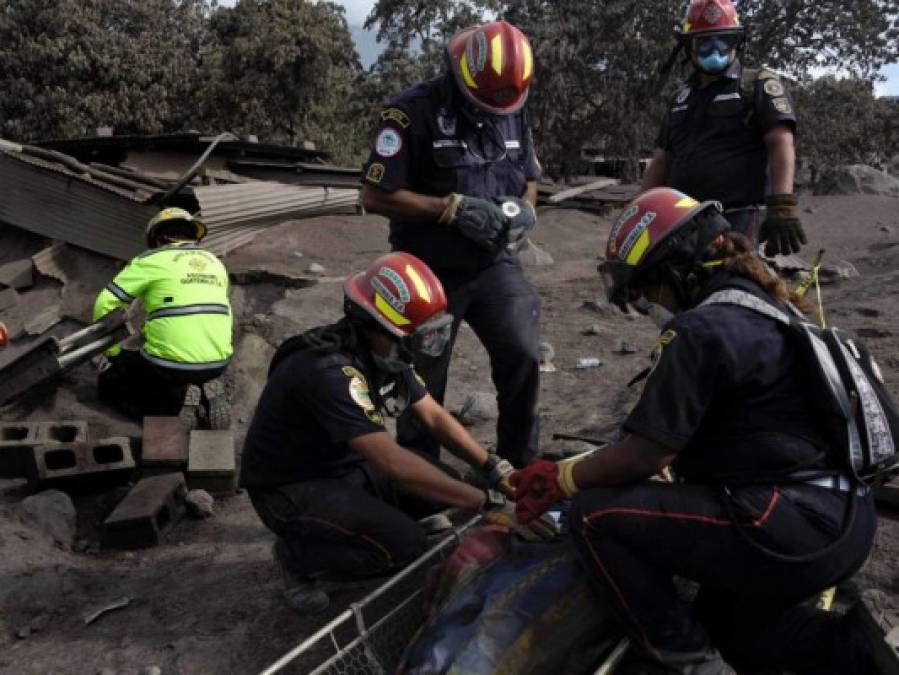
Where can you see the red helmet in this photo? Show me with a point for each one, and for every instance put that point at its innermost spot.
(659, 226)
(405, 298)
(710, 16)
(493, 65)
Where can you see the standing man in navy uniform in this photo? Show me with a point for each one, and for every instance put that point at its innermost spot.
(728, 133)
(453, 167)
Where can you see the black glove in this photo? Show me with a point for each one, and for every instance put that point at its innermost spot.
(480, 220)
(521, 217)
(782, 232)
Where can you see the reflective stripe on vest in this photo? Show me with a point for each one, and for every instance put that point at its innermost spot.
(177, 365)
(119, 292)
(188, 310)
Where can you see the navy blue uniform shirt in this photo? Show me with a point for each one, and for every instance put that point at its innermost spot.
(714, 135)
(427, 144)
(729, 392)
(311, 407)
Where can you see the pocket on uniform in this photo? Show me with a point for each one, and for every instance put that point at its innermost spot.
(450, 154)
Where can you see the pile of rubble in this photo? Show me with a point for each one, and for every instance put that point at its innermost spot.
(62, 456)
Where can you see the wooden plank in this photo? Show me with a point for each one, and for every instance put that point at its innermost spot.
(588, 187)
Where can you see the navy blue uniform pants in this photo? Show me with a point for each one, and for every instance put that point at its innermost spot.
(139, 388)
(750, 606)
(503, 309)
(354, 526)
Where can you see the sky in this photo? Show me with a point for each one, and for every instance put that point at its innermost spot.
(357, 10)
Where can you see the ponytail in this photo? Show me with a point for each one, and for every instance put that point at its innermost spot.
(739, 257)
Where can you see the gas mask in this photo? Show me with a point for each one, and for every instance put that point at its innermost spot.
(713, 54)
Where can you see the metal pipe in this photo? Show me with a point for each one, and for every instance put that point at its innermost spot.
(188, 175)
(96, 346)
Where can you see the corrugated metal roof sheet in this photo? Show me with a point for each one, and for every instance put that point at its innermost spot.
(106, 211)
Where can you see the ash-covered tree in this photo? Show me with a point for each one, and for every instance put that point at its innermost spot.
(69, 66)
(414, 33)
(849, 125)
(284, 70)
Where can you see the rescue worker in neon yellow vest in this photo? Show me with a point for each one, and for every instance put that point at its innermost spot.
(188, 325)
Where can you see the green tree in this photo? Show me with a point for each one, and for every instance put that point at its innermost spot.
(68, 66)
(285, 70)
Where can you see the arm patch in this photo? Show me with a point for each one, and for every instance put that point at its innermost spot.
(396, 115)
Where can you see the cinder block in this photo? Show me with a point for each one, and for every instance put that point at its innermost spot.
(145, 514)
(211, 465)
(17, 443)
(165, 444)
(108, 458)
(61, 432)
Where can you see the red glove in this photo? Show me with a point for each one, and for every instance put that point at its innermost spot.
(536, 489)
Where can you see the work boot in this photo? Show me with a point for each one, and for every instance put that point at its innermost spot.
(305, 596)
(190, 408)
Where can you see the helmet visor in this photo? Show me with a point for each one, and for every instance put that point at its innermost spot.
(432, 337)
(721, 43)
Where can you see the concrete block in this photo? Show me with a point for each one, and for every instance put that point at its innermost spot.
(108, 459)
(61, 432)
(17, 443)
(142, 518)
(211, 465)
(165, 444)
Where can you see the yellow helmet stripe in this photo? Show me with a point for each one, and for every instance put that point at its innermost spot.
(496, 54)
(420, 286)
(387, 310)
(528, 59)
(466, 73)
(639, 249)
(686, 203)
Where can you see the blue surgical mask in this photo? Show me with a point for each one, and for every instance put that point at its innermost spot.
(713, 63)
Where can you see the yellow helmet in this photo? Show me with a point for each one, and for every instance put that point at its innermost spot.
(173, 215)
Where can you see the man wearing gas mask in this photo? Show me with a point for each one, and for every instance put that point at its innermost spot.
(728, 133)
(320, 468)
(453, 167)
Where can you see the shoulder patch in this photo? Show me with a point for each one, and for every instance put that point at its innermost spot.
(774, 87)
(396, 115)
(375, 173)
(388, 143)
(765, 74)
(359, 392)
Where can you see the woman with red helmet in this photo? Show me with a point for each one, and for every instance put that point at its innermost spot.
(764, 514)
(319, 466)
(453, 167)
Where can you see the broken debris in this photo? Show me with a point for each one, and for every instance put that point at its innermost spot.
(94, 614)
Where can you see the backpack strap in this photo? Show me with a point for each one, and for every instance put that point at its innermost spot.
(734, 296)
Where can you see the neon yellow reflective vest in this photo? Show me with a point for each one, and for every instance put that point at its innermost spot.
(184, 290)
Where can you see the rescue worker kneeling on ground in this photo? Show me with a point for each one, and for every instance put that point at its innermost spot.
(763, 514)
(188, 327)
(319, 466)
